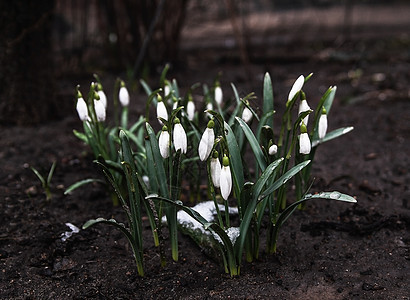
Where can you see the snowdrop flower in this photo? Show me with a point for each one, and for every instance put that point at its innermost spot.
(207, 141)
(322, 128)
(190, 109)
(209, 106)
(163, 142)
(247, 115)
(161, 109)
(180, 139)
(81, 107)
(304, 106)
(273, 149)
(99, 110)
(102, 95)
(304, 141)
(123, 95)
(218, 93)
(297, 86)
(225, 181)
(167, 89)
(215, 169)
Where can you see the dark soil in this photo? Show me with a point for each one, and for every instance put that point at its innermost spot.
(329, 251)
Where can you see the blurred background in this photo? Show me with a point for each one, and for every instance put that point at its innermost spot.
(47, 47)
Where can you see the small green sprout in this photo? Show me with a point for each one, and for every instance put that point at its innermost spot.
(45, 181)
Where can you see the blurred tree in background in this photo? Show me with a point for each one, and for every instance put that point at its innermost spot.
(80, 37)
(26, 62)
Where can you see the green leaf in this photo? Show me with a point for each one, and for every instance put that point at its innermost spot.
(81, 183)
(235, 160)
(333, 134)
(335, 195)
(253, 142)
(146, 87)
(158, 161)
(284, 178)
(268, 104)
(81, 136)
(256, 190)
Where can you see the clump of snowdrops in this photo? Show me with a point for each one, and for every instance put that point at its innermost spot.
(245, 161)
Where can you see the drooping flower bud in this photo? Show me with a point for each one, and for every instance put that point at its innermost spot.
(123, 95)
(102, 95)
(161, 109)
(273, 149)
(304, 106)
(190, 109)
(297, 86)
(322, 127)
(99, 110)
(215, 169)
(304, 141)
(180, 139)
(218, 95)
(81, 107)
(207, 141)
(163, 142)
(225, 180)
(247, 115)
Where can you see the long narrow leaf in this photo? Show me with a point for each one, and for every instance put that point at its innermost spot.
(268, 104)
(253, 142)
(235, 160)
(81, 183)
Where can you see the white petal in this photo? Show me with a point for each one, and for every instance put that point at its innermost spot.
(82, 109)
(123, 96)
(322, 126)
(218, 95)
(99, 110)
(304, 144)
(297, 86)
(225, 182)
(103, 98)
(180, 139)
(206, 144)
(190, 110)
(163, 143)
(304, 106)
(247, 115)
(273, 149)
(167, 90)
(162, 111)
(215, 171)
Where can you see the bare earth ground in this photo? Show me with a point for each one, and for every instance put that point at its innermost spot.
(329, 251)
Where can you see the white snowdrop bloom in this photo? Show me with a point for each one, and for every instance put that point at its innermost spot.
(297, 86)
(99, 110)
(207, 141)
(322, 127)
(167, 90)
(218, 95)
(247, 115)
(304, 106)
(82, 109)
(103, 98)
(161, 110)
(304, 141)
(190, 109)
(163, 142)
(215, 169)
(225, 181)
(123, 95)
(273, 149)
(179, 136)
(209, 106)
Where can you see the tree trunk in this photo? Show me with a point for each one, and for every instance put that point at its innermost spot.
(26, 63)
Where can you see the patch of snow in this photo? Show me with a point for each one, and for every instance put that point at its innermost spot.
(68, 234)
